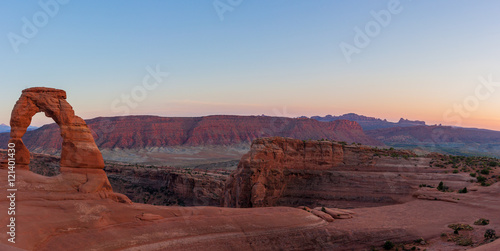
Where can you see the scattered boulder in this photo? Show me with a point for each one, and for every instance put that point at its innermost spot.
(149, 217)
(322, 215)
(336, 213)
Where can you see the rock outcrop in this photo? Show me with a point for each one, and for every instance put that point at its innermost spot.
(81, 161)
(289, 172)
(78, 147)
(167, 186)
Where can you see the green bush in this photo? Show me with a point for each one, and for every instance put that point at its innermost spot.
(458, 226)
(388, 245)
(482, 222)
(441, 187)
(425, 185)
(481, 179)
(489, 234)
(463, 190)
(473, 174)
(485, 171)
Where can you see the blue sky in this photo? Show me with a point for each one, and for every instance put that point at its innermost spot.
(265, 57)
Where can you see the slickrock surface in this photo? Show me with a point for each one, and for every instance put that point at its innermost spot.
(52, 217)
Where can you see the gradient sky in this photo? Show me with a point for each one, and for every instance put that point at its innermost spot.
(279, 58)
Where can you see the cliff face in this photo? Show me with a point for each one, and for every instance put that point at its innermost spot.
(289, 172)
(136, 132)
(167, 186)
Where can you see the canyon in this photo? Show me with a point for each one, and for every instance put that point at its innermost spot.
(414, 211)
(286, 193)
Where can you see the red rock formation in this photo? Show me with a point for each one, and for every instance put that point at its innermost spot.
(136, 132)
(53, 214)
(81, 160)
(78, 147)
(289, 172)
(167, 186)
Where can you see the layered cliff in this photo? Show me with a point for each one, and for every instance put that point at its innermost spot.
(289, 172)
(139, 132)
(167, 186)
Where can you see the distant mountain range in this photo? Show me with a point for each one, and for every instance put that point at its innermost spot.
(443, 139)
(6, 128)
(151, 132)
(417, 135)
(370, 123)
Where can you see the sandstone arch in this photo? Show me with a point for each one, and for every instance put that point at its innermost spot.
(78, 149)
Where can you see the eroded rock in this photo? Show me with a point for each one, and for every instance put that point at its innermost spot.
(78, 148)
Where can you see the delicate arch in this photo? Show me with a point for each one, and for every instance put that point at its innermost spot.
(78, 148)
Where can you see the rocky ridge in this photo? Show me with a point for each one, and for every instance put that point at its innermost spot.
(144, 132)
(289, 172)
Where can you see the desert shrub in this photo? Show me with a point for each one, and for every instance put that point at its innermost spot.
(473, 174)
(459, 226)
(464, 190)
(482, 222)
(419, 240)
(441, 187)
(485, 171)
(493, 163)
(323, 209)
(481, 179)
(425, 185)
(489, 234)
(455, 171)
(388, 245)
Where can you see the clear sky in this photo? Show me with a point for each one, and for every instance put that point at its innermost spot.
(281, 58)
